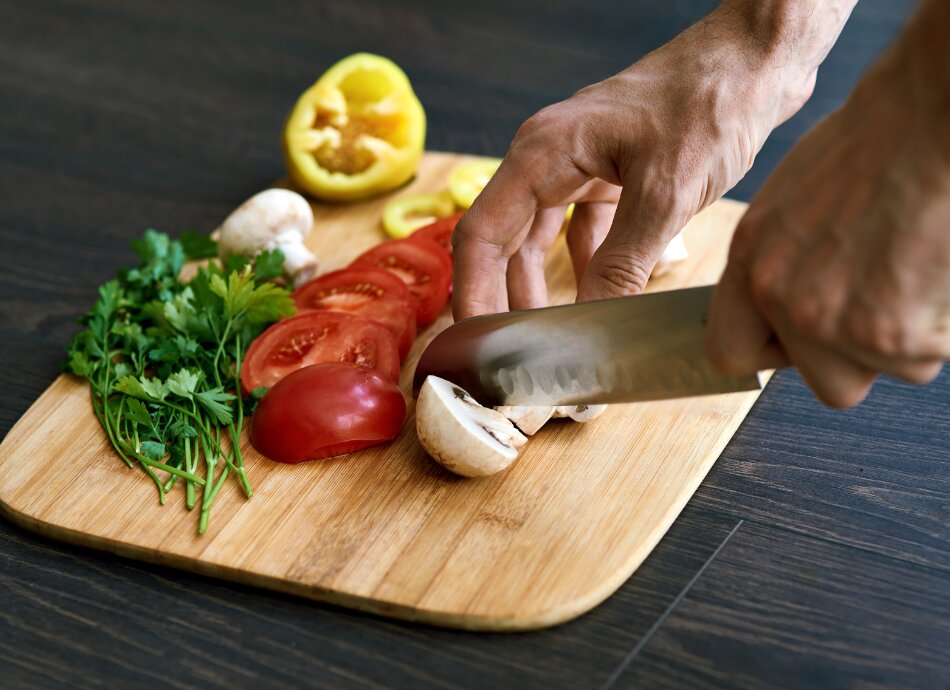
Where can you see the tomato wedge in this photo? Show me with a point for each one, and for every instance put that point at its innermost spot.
(319, 336)
(325, 410)
(373, 293)
(422, 265)
(439, 232)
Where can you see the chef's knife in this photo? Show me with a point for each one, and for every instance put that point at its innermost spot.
(627, 349)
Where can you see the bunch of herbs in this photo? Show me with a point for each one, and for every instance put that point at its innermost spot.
(163, 359)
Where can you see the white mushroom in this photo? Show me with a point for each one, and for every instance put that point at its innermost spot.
(460, 434)
(528, 418)
(273, 219)
(674, 253)
(579, 413)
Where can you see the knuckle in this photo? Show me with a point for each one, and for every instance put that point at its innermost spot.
(809, 314)
(544, 123)
(765, 286)
(880, 332)
(658, 198)
(621, 275)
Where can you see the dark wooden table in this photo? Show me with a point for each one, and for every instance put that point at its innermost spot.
(814, 555)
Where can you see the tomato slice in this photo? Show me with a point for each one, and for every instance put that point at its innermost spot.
(369, 292)
(314, 337)
(439, 232)
(422, 265)
(325, 410)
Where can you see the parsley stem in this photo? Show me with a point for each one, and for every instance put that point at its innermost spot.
(191, 466)
(206, 507)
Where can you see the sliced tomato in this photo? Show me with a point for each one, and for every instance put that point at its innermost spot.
(325, 410)
(319, 336)
(369, 292)
(422, 265)
(439, 232)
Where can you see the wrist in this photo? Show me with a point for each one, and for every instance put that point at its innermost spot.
(782, 43)
(918, 66)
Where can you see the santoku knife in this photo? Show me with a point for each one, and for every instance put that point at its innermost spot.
(627, 349)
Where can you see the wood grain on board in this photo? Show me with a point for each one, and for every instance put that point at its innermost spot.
(386, 530)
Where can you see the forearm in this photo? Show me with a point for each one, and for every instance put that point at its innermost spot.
(785, 41)
(921, 56)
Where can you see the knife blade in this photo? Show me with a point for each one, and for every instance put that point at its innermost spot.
(626, 349)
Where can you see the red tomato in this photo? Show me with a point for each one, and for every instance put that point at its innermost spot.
(325, 410)
(370, 292)
(422, 265)
(314, 337)
(439, 232)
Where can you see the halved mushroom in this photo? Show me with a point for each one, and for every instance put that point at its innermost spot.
(528, 418)
(579, 413)
(273, 219)
(674, 253)
(461, 435)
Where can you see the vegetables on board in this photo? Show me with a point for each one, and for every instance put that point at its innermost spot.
(315, 337)
(325, 410)
(579, 413)
(468, 179)
(358, 131)
(273, 219)
(406, 214)
(460, 434)
(528, 418)
(439, 231)
(373, 293)
(422, 265)
(162, 357)
(674, 253)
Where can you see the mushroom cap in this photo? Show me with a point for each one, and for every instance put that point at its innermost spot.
(257, 224)
(460, 434)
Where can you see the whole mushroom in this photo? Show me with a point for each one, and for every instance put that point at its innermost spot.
(273, 219)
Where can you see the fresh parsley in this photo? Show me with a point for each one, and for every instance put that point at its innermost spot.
(163, 359)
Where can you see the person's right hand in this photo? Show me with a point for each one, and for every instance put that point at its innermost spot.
(665, 138)
(841, 265)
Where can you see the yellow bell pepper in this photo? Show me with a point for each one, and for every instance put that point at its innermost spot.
(468, 179)
(358, 131)
(405, 215)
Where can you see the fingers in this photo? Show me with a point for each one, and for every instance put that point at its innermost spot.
(525, 279)
(835, 380)
(586, 232)
(486, 236)
(623, 262)
(739, 340)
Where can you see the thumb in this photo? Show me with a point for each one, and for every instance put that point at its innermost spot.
(623, 263)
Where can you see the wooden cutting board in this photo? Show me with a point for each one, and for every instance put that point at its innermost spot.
(386, 530)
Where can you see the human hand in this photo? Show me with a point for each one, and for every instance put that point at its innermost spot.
(841, 265)
(665, 138)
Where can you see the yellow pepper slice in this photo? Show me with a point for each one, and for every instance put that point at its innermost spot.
(405, 215)
(358, 131)
(468, 179)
